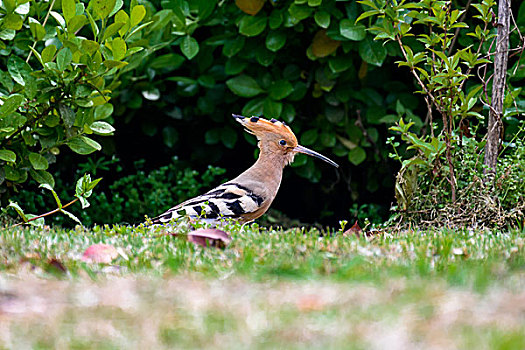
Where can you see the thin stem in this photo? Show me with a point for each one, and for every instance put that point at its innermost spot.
(457, 29)
(46, 214)
(43, 25)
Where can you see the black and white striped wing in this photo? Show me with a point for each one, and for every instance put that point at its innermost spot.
(229, 200)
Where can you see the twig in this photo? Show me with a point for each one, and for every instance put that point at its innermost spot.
(458, 28)
(46, 214)
(43, 25)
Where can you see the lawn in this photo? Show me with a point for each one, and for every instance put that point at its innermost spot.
(270, 288)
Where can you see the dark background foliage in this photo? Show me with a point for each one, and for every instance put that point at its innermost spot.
(304, 62)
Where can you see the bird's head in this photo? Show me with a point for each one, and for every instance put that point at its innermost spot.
(276, 137)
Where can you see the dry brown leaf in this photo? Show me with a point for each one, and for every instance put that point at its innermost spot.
(322, 45)
(210, 237)
(363, 70)
(251, 7)
(309, 303)
(57, 265)
(100, 253)
(354, 230)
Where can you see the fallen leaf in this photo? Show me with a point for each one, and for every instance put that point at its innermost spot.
(100, 253)
(210, 237)
(57, 265)
(354, 230)
(309, 303)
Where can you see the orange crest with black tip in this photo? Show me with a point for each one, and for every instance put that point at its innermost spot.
(265, 129)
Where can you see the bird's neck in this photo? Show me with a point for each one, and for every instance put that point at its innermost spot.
(268, 166)
(267, 172)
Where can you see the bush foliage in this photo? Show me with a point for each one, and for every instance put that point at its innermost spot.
(57, 63)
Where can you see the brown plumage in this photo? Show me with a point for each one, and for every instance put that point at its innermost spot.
(250, 194)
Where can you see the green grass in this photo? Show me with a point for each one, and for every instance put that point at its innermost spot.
(268, 289)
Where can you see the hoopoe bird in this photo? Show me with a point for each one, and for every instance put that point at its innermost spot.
(250, 194)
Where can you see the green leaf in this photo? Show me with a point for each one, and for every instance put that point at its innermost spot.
(211, 137)
(64, 58)
(48, 53)
(328, 139)
(233, 46)
(252, 26)
(352, 31)
(276, 19)
(67, 114)
(76, 23)
(228, 137)
(114, 64)
(357, 155)
(170, 61)
(254, 107)
(37, 30)
(13, 21)
(102, 7)
(18, 69)
(138, 29)
(189, 47)
(340, 63)
(102, 128)
(244, 86)
(90, 46)
(322, 19)
(15, 175)
(83, 145)
(280, 89)
(55, 195)
(35, 222)
(11, 105)
(6, 81)
(366, 14)
(68, 9)
(103, 111)
(299, 12)
(137, 15)
(309, 137)
(372, 51)
(18, 209)
(7, 34)
(38, 161)
(42, 177)
(272, 109)
(58, 17)
(71, 216)
(275, 40)
(7, 155)
(91, 185)
(119, 48)
(521, 14)
(118, 6)
(84, 202)
(122, 17)
(170, 136)
(112, 30)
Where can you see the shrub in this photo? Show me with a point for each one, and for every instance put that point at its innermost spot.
(59, 63)
(131, 197)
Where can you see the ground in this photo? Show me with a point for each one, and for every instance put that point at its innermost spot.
(269, 288)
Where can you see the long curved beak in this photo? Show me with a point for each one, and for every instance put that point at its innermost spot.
(301, 149)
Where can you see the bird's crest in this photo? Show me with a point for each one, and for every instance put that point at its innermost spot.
(260, 126)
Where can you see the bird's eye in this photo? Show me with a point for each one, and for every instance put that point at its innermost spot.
(282, 143)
